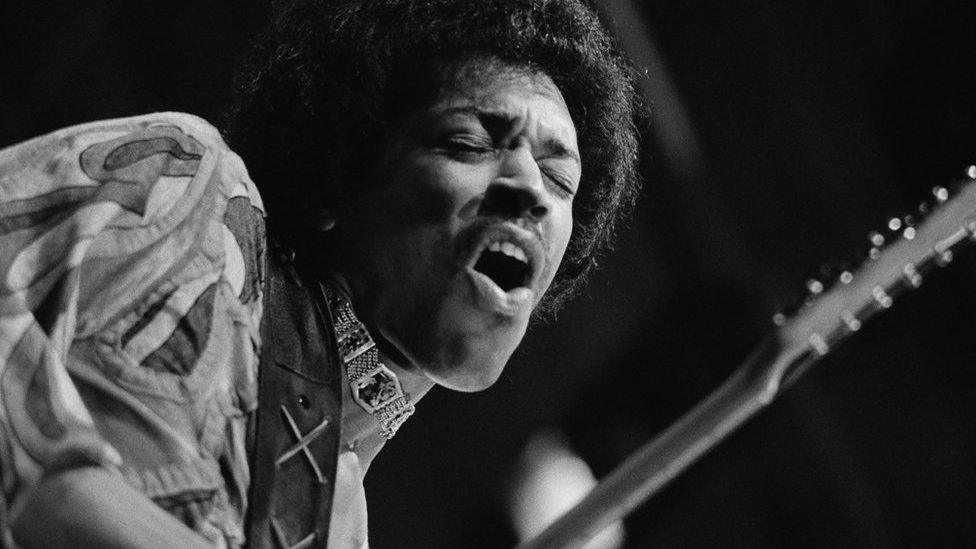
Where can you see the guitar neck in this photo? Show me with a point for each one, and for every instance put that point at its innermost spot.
(748, 390)
(834, 309)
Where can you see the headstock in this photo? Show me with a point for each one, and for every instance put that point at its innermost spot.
(842, 297)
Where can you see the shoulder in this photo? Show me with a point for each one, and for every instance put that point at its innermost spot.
(86, 133)
(137, 150)
(125, 202)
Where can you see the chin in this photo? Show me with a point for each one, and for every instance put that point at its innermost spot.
(465, 349)
(466, 382)
(466, 379)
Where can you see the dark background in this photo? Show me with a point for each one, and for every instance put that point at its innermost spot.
(780, 133)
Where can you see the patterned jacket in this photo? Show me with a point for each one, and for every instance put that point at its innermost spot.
(133, 262)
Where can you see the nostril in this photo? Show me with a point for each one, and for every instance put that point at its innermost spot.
(508, 199)
(501, 200)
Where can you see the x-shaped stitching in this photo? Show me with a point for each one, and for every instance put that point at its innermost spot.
(280, 537)
(302, 442)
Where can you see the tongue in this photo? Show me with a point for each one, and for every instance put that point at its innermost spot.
(503, 270)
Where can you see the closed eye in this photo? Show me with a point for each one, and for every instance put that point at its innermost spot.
(466, 146)
(565, 183)
(566, 187)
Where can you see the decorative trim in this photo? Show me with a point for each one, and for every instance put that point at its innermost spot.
(301, 443)
(374, 386)
(279, 535)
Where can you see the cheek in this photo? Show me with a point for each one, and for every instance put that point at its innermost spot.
(412, 227)
(562, 230)
(433, 191)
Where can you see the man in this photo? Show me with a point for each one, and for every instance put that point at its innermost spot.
(432, 173)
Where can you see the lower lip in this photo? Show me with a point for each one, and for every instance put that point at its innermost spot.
(493, 299)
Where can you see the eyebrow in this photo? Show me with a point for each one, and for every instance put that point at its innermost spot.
(495, 121)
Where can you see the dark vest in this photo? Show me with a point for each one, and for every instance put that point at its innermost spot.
(294, 439)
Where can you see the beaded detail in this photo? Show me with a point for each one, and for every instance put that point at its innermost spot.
(373, 385)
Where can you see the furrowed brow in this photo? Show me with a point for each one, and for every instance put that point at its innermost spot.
(499, 123)
(492, 120)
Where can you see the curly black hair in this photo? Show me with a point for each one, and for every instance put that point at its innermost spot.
(330, 78)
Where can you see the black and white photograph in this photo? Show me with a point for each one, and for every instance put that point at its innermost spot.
(478, 274)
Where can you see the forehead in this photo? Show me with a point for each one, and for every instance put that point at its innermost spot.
(508, 92)
(479, 81)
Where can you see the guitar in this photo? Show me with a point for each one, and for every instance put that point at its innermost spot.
(835, 306)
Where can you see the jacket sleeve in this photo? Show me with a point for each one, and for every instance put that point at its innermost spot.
(93, 219)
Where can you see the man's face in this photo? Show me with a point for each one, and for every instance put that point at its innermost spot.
(448, 259)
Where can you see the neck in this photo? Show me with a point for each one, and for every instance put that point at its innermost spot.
(389, 352)
(365, 431)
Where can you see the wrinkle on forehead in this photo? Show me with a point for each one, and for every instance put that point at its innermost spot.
(476, 80)
(479, 84)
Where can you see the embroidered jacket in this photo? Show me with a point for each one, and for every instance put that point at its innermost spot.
(130, 304)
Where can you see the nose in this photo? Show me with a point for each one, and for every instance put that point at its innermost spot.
(518, 190)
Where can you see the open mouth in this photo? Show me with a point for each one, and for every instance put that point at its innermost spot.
(506, 264)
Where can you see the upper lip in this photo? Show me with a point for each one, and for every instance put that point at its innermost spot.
(476, 239)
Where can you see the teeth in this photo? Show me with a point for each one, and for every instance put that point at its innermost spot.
(512, 250)
(509, 249)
